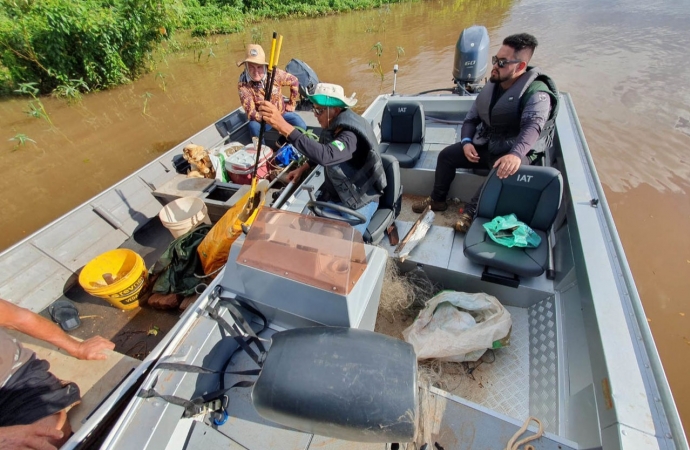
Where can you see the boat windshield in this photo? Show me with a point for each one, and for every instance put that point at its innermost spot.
(322, 253)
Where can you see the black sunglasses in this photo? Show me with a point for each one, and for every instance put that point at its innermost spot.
(501, 63)
(318, 111)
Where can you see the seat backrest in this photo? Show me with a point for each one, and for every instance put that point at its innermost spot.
(338, 382)
(533, 194)
(392, 191)
(403, 122)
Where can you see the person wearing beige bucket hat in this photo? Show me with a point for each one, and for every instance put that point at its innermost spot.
(347, 149)
(255, 55)
(252, 85)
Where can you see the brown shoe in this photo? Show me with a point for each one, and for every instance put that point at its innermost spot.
(420, 206)
(463, 223)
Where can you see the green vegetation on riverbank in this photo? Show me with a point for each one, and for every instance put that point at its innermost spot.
(69, 46)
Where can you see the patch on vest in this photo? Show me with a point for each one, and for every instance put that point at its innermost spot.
(543, 96)
(339, 145)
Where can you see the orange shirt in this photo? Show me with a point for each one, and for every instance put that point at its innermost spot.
(252, 92)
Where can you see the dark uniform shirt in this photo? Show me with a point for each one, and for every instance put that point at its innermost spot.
(335, 152)
(343, 148)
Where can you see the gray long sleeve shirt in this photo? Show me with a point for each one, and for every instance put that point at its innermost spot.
(534, 116)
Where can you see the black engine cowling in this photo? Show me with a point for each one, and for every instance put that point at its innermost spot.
(471, 55)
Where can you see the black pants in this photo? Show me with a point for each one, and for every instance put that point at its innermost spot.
(452, 158)
(33, 393)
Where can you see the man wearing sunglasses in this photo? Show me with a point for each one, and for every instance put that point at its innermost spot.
(510, 123)
(346, 149)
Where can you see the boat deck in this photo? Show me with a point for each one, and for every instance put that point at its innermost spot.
(519, 380)
(127, 329)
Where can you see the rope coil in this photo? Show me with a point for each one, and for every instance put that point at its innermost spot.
(514, 444)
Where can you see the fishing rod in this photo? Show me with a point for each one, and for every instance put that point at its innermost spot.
(255, 197)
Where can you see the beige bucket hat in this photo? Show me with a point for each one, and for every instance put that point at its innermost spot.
(327, 94)
(255, 54)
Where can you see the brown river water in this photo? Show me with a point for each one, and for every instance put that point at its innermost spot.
(622, 62)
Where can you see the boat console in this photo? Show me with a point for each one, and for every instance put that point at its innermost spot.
(301, 270)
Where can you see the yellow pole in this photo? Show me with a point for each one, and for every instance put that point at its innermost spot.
(252, 202)
(273, 50)
(280, 44)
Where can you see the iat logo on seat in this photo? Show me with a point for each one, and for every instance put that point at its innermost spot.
(402, 109)
(524, 178)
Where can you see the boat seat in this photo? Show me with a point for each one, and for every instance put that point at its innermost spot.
(389, 203)
(340, 382)
(402, 132)
(534, 195)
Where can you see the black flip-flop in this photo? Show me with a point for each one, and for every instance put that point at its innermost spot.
(64, 313)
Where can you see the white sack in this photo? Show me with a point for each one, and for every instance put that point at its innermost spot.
(218, 161)
(442, 331)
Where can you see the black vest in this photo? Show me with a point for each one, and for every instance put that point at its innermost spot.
(362, 179)
(503, 121)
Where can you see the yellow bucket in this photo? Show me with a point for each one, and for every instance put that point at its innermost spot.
(117, 276)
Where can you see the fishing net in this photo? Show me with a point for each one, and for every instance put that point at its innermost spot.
(401, 300)
(404, 293)
(403, 296)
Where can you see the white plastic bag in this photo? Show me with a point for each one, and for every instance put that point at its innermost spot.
(457, 326)
(218, 161)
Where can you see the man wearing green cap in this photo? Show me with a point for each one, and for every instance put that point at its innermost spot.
(346, 149)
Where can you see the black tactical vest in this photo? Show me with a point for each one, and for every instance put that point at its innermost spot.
(362, 179)
(503, 121)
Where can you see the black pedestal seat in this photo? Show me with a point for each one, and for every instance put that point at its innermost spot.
(534, 195)
(402, 132)
(390, 202)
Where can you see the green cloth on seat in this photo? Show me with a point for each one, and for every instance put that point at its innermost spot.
(510, 232)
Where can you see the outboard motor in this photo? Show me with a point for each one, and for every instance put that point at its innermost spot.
(307, 80)
(471, 59)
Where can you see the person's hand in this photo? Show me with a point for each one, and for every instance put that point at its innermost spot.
(470, 152)
(507, 165)
(28, 437)
(295, 175)
(274, 118)
(269, 112)
(93, 348)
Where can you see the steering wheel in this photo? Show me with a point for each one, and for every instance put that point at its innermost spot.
(317, 207)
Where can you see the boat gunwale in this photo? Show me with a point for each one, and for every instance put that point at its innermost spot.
(633, 297)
